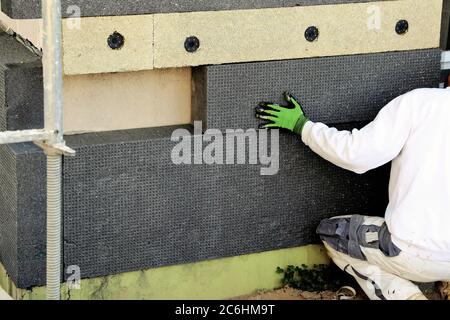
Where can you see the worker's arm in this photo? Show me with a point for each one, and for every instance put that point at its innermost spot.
(361, 150)
(371, 147)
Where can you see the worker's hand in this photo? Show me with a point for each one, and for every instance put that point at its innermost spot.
(290, 117)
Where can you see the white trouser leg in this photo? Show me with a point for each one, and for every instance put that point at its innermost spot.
(376, 283)
(362, 247)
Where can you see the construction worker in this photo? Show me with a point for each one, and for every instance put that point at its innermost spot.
(412, 243)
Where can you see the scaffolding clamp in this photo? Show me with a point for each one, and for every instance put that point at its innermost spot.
(55, 149)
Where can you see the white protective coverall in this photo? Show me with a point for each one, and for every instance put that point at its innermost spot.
(413, 241)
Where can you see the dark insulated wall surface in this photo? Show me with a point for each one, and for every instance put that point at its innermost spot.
(23, 213)
(20, 72)
(445, 39)
(331, 90)
(128, 207)
(27, 9)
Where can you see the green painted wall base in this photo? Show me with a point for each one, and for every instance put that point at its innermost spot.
(214, 279)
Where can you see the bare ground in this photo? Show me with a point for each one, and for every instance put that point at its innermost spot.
(293, 294)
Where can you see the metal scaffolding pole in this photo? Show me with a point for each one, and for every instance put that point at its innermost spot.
(50, 139)
(52, 68)
(24, 136)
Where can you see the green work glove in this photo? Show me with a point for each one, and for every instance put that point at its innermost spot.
(290, 117)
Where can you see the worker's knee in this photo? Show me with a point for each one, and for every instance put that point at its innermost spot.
(339, 234)
(349, 234)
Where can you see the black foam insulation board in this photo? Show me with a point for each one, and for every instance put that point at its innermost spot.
(331, 89)
(29, 9)
(127, 207)
(445, 39)
(21, 86)
(23, 213)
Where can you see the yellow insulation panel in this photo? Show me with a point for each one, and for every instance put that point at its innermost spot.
(276, 34)
(86, 49)
(157, 41)
(129, 100)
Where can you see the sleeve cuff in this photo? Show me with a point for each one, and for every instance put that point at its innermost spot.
(306, 132)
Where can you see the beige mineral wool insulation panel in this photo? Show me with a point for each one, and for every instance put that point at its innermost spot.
(29, 29)
(274, 34)
(157, 41)
(86, 50)
(106, 102)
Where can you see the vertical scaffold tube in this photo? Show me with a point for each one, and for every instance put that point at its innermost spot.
(54, 165)
(52, 70)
